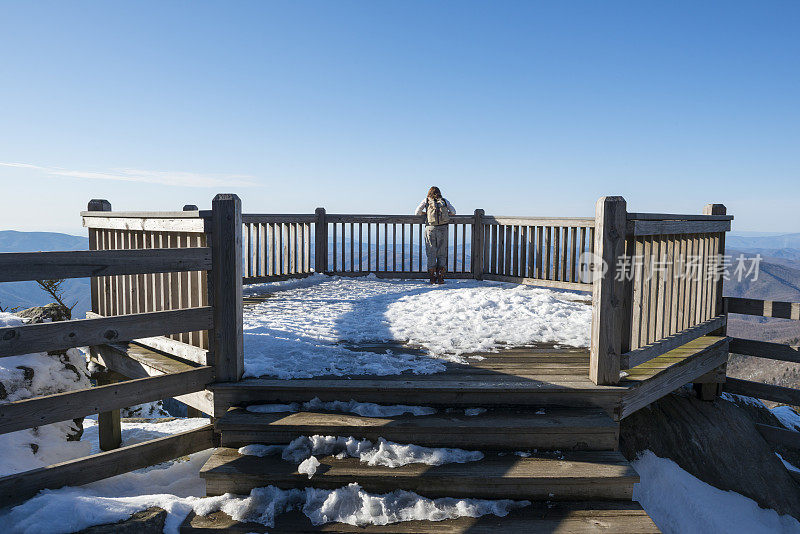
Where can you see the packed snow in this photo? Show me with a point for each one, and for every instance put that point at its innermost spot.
(787, 416)
(302, 451)
(680, 503)
(31, 375)
(175, 486)
(314, 326)
(364, 409)
(351, 505)
(385, 453)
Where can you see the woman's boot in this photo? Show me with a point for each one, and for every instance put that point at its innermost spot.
(432, 274)
(440, 275)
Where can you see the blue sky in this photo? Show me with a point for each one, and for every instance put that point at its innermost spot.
(519, 108)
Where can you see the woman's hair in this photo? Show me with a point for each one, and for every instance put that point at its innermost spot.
(434, 193)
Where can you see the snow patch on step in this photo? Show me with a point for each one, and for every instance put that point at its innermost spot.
(351, 505)
(386, 453)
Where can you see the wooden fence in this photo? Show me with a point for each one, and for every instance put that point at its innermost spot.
(547, 252)
(152, 275)
(543, 251)
(772, 351)
(657, 284)
(661, 289)
(276, 247)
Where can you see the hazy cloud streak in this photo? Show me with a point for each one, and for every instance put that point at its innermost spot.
(182, 179)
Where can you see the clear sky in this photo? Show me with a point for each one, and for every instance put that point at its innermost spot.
(519, 108)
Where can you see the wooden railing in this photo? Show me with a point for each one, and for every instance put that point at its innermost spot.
(152, 275)
(277, 247)
(661, 286)
(771, 351)
(390, 245)
(144, 293)
(547, 252)
(544, 251)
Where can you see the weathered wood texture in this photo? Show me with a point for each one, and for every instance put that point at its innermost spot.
(551, 250)
(573, 475)
(763, 308)
(16, 488)
(42, 337)
(227, 348)
(605, 339)
(19, 266)
(501, 429)
(668, 372)
(47, 409)
(279, 246)
(137, 233)
(109, 427)
(765, 349)
(758, 390)
(662, 346)
(133, 361)
(675, 282)
(647, 227)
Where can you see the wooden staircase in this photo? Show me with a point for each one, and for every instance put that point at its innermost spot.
(569, 468)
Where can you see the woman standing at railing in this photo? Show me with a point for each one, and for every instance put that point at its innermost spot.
(437, 211)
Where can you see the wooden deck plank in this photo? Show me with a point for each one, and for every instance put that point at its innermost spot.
(571, 476)
(557, 428)
(709, 353)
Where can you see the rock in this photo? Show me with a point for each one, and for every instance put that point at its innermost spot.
(150, 521)
(50, 313)
(53, 312)
(716, 442)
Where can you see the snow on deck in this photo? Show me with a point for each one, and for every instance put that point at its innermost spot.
(319, 325)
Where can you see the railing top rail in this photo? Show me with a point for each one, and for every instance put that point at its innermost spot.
(22, 266)
(538, 221)
(642, 227)
(405, 218)
(677, 217)
(278, 218)
(194, 214)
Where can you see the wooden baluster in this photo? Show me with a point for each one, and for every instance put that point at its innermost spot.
(402, 247)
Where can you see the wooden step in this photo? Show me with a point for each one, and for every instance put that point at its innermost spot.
(595, 475)
(444, 389)
(507, 429)
(558, 518)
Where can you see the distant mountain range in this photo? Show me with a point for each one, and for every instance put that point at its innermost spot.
(772, 242)
(28, 294)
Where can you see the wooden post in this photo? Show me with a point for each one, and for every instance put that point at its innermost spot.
(607, 291)
(225, 287)
(109, 426)
(710, 389)
(94, 286)
(477, 245)
(320, 242)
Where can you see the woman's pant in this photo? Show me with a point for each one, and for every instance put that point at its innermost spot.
(436, 246)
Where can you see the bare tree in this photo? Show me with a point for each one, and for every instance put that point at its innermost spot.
(56, 291)
(8, 309)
